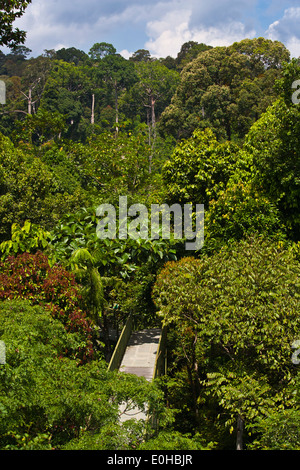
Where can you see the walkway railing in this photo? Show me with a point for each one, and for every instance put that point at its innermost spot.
(160, 367)
(135, 359)
(121, 345)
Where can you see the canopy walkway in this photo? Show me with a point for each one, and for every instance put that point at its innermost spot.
(141, 353)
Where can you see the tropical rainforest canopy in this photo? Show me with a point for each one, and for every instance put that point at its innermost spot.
(214, 126)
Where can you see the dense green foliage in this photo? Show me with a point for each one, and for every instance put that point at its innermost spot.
(214, 126)
(30, 277)
(236, 314)
(46, 399)
(226, 89)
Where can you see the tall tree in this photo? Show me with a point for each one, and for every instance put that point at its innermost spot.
(153, 91)
(34, 79)
(273, 151)
(71, 55)
(189, 51)
(235, 316)
(68, 91)
(118, 74)
(156, 83)
(13, 64)
(211, 92)
(141, 55)
(100, 50)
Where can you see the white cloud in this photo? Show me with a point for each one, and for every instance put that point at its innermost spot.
(60, 46)
(51, 23)
(293, 45)
(161, 26)
(125, 53)
(168, 34)
(166, 23)
(286, 30)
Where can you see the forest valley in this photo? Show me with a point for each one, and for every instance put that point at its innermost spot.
(214, 126)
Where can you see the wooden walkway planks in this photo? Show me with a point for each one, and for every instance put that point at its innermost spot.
(140, 354)
(140, 359)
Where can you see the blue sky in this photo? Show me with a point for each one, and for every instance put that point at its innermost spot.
(159, 26)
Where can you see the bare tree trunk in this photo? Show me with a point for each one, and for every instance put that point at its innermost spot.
(239, 433)
(152, 130)
(93, 109)
(30, 101)
(117, 108)
(148, 124)
(152, 101)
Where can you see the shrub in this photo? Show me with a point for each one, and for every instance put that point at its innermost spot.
(30, 276)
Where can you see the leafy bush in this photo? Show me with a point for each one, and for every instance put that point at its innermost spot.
(30, 276)
(29, 237)
(33, 374)
(199, 168)
(126, 436)
(272, 145)
(49, 401)
(239, 211)
(279, 431)
(30, 189)
(175, 441)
